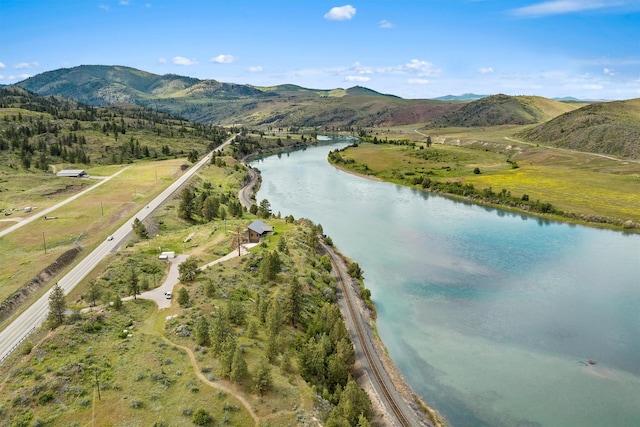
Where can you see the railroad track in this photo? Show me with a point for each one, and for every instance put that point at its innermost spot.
(367, 348)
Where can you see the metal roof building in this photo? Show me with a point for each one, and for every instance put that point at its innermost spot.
(74, 173)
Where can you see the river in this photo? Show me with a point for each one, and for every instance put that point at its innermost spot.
(491, 316)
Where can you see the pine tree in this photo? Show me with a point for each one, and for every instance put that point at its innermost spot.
(183, 297)
(134, 289)
(93, 292)
(262, 380)
(239, 368)
(202, 332)
(293, 302)
(57, 306)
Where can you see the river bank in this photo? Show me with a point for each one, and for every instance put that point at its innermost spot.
(474, 302)
(388, 170)
(422, 413)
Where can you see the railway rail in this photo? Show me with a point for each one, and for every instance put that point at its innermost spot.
(380, 378)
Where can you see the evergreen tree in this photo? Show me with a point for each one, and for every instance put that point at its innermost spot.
(140, 229)
(239, 368)
(226, 358)
(133, 283)
(185, 209)
(220, 330)
(202, 332)
(262, 380)
(183, 297)
(93, 292)
(293, 302)
(57, 306)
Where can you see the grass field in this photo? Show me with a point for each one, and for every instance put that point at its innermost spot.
(146, 380)
(572, 181)
(86, 221)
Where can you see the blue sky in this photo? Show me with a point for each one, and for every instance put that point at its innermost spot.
(588, 49)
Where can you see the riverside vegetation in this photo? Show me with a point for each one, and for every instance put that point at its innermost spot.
(569, 186)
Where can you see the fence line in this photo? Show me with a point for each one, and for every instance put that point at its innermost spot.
(6, 356)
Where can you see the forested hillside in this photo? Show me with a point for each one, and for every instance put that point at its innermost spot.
(36, 132)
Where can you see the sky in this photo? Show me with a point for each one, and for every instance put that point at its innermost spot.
(587, 49)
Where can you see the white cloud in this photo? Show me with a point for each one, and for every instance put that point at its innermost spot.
(2, 65)
(419, 67)
(385, 24)
(26, 65)
(103, 7)
(162, 60)
(357, 79)
(593, 87)
(1, 77)
(124, 2)
(609, 72)
(558, 7)
(485, 70)
(340, 13)
(19, 76)
(224, 59)
(181, 60)
(418, 81)
(255, 69)
(147, 5)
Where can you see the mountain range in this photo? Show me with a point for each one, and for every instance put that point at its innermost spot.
(602, 127)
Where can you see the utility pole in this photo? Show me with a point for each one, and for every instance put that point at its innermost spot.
(101, 208)
(97, 383)
(45, 243)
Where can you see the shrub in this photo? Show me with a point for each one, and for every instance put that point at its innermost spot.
(201, 417)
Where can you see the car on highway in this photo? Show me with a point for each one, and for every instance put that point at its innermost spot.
(110, 238)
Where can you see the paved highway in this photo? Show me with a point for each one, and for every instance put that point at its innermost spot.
(36, 314)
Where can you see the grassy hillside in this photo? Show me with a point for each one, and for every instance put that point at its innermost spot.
(255, 340)
(608, 128)
(210, 101)
(499, 110)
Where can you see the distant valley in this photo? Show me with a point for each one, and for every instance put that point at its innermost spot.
(611, 128)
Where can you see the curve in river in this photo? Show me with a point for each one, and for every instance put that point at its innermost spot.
(491, 316)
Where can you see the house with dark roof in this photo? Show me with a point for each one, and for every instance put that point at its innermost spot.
(257, 230)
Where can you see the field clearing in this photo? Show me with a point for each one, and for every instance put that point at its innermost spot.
(85, 221)
(590, 193)
(574, 182)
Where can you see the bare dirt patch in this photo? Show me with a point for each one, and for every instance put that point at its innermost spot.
(67, 191)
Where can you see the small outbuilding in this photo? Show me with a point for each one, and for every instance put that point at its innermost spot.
(73, 173)
(257, 230)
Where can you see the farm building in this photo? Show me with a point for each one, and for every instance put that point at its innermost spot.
(74, 173)
(257, 230)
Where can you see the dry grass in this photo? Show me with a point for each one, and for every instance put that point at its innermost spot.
(79, 222)
(575, 182)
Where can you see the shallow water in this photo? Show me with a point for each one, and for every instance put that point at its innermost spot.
(491, 316)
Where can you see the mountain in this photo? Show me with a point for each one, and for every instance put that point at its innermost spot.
(502, 109)
(210, 101)
(606, 127)
(463, 97)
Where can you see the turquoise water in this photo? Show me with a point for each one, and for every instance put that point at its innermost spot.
(491, 316)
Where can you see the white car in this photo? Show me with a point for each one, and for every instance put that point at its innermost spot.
(168, 295)
(110, 238)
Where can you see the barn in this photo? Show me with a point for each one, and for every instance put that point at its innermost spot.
(74, 173)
